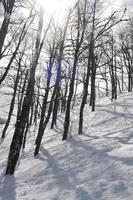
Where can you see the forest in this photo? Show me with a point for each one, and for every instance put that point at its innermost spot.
(52, 67)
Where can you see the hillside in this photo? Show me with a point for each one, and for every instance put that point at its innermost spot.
(97, 165)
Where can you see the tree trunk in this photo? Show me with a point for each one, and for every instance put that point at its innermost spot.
(12, 101)
(23, 118)
(68, 107)
(43, 124)
(84, 99)
(8, 7)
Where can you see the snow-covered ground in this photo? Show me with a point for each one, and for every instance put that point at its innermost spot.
(97, 165)
(5, 99)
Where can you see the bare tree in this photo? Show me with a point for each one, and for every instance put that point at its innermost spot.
(80, 31)
(23, 117)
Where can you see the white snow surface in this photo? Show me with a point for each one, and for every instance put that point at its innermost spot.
(97, 165)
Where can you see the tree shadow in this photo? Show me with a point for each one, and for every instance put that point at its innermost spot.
(8, 188)
(60, 175)
(62, 178)
(114, 117)
(125, 160)
(82, 194)
(57, 129)
(104, 152)
(121, 131)
(2, 121)
(119, 114)
(91, 137)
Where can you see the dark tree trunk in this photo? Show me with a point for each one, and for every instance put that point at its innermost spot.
(58, 79)
(71, 90)
(64, 99)
(75, 93)
(32, 111)
(93, 90)
(43, 124)
(84, 99)
(22, 35)
(57, 91)
(93, 74)
(12, 101)
(122, 79)
(79, 41)
(25, 134)
(21, 94)
(17, 140)
(19, 130)
(8, 7)
(55, 110)
(37, 105)
(129, 77)
(44, 104)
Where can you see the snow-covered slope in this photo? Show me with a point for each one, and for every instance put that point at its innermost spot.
(5, 98)
(97, 165)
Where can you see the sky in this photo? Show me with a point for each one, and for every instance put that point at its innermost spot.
(118, 3)
(60, 7)
(130, 2)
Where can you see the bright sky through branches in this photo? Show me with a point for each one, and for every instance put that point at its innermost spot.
(56, 8)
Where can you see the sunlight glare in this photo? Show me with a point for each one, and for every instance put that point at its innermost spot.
(56, 8)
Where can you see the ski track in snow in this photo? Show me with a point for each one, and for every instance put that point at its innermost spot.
(97, 165)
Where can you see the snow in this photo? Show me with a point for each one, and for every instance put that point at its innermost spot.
(97, 165)
(5, 98)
